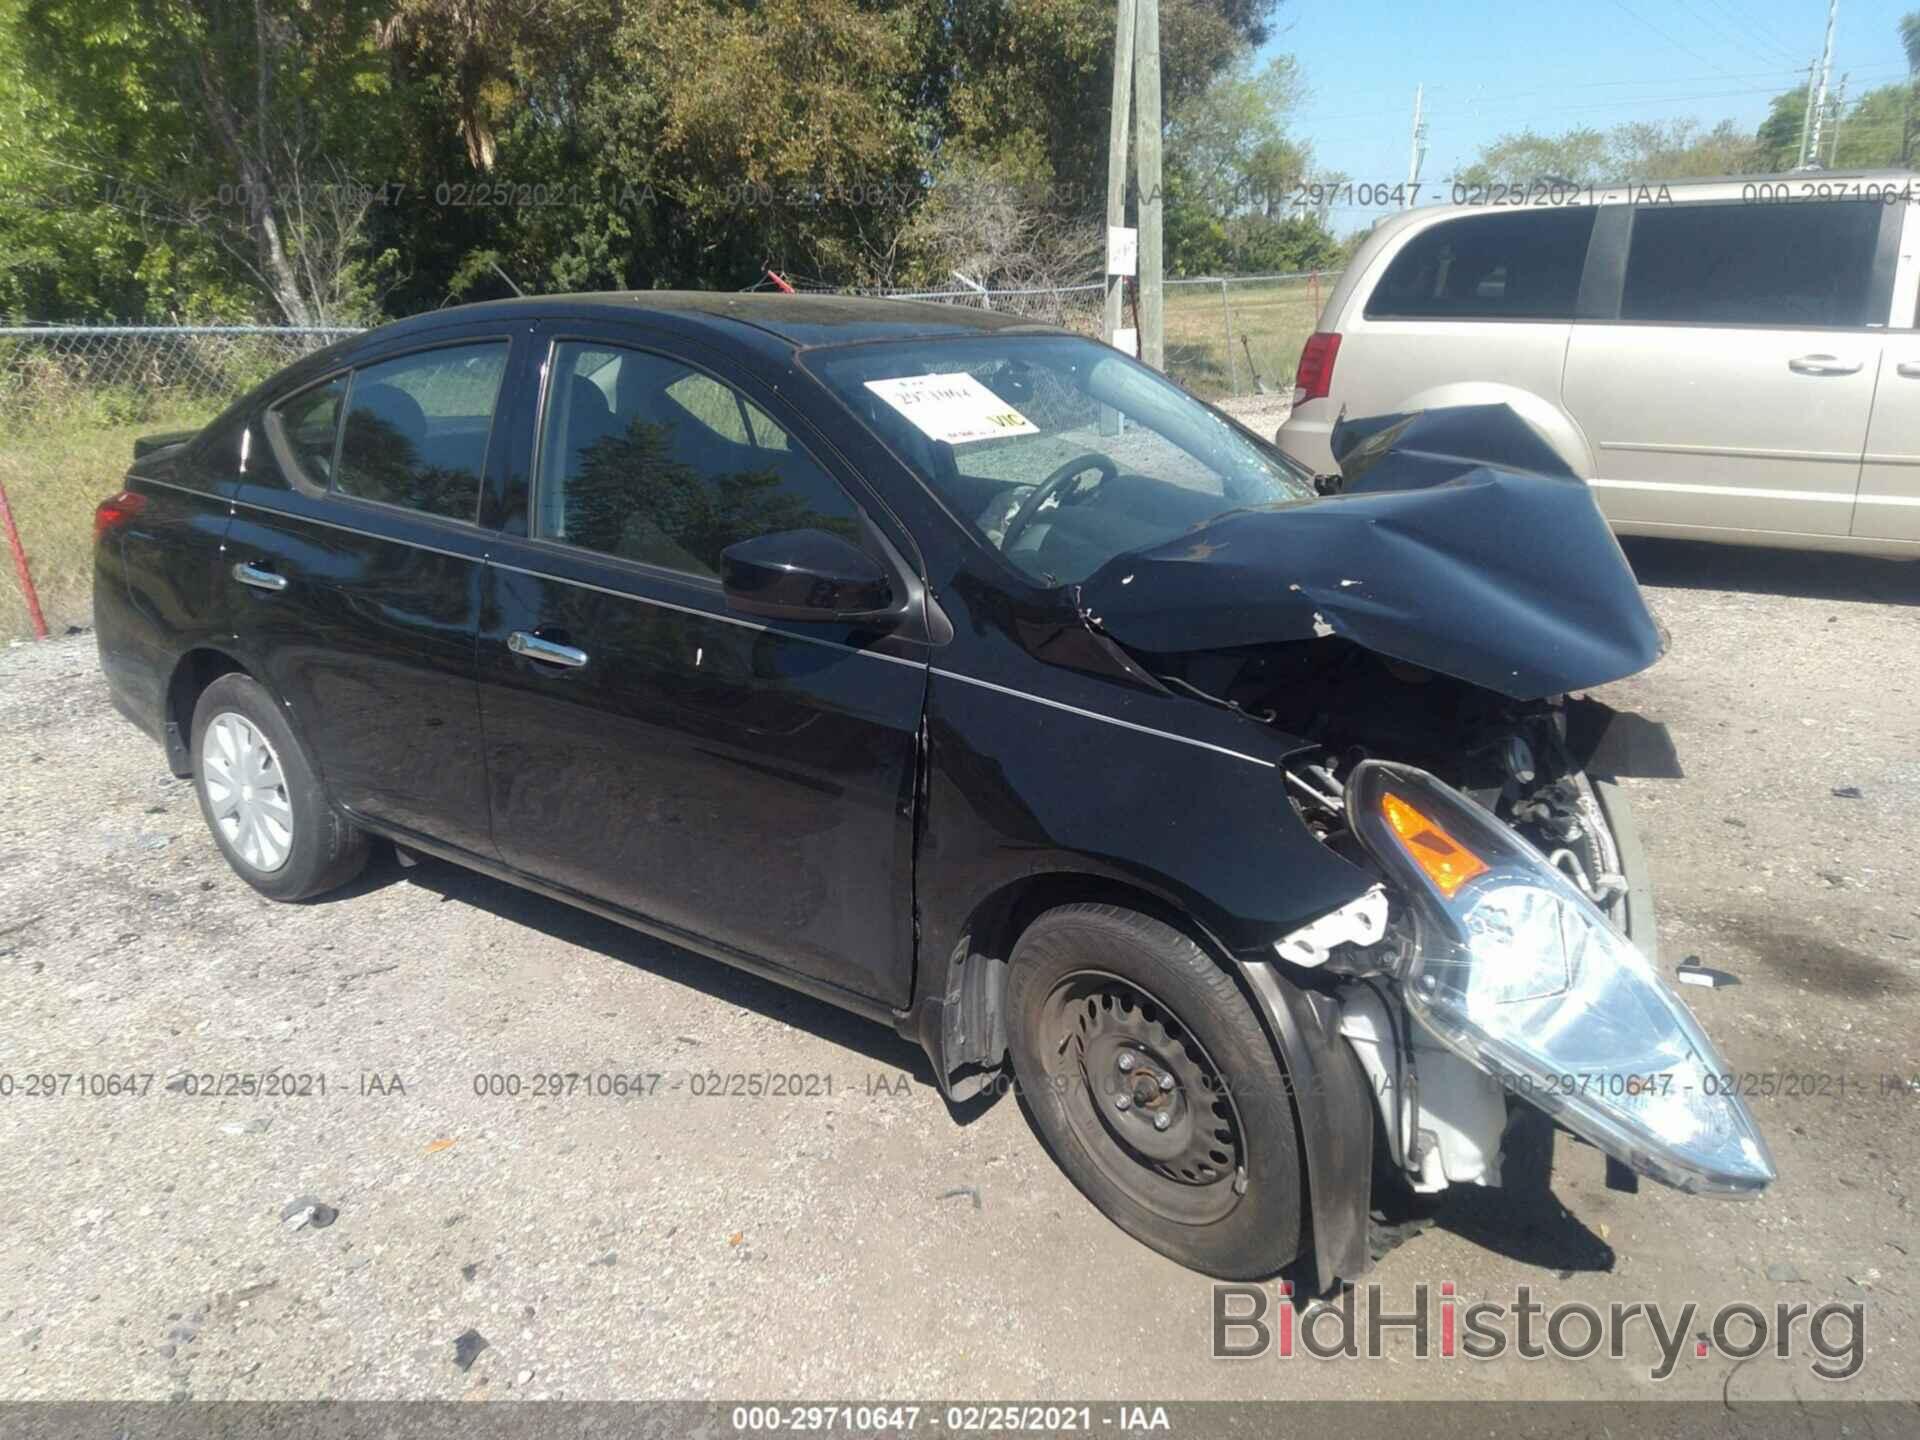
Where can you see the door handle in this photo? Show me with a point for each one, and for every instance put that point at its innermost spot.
(521, 642)
(259, 577)
(1909, 368)
(1823, 365)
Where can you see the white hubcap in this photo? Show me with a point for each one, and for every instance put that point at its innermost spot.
(246, 791)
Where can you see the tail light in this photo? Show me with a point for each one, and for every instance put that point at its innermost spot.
(1314, 379)
(114, 511)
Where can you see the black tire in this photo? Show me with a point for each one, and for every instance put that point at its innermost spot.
(1225, 1194)
(322, 849)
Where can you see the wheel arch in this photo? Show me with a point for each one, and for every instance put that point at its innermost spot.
(1544, 413)
(961, 1022)
(192, 673)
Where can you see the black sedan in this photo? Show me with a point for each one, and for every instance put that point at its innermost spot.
(972, 676)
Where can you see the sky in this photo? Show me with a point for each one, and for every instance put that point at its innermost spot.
(1494, 68)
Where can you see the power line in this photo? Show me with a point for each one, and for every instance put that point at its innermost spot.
(1754, 29)
(1722, 33)
(1684, 49)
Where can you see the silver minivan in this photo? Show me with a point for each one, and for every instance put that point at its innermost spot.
(1721, 359)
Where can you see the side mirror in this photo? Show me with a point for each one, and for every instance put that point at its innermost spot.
(805, 575)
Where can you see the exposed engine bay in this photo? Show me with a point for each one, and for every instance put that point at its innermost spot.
(1510, 756)
(1443, 1121)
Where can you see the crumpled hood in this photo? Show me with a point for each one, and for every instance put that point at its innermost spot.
(1459, 542)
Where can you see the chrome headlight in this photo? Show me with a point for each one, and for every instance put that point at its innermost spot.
(1517, 971)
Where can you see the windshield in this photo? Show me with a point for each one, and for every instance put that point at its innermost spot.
(1058, 451)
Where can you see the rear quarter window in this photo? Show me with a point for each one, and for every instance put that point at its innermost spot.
(1520, 266)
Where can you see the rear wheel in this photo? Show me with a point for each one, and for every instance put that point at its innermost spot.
(1157, 1089)
(261, 798)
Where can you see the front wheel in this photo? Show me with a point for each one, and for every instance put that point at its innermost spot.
(261, 798)
(1157, 1089)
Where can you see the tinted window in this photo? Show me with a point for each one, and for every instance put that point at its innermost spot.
(1801, 264)
(651, 460)
(416, 429)
(309, 424)
(1523, 266)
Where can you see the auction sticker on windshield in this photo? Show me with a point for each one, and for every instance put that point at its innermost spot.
(955, 408)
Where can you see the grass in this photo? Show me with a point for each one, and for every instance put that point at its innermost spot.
(1271, 320)
(56, 469)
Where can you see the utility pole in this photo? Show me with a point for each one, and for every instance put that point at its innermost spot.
(1419, 154)
(1839, 111)
(1117, 155)
(1806, 116)
(1136, 98)
(1146, 76)
(1826, 74)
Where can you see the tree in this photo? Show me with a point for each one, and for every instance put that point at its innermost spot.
(1579, 157)
(314, 163)
(1637, 151)
(1910, 43)
(219, 124)
(1234, 177)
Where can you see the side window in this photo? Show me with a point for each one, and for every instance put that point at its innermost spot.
(308, 425)
(1802, 264)
(651, 460)
(726, 412)
(1520, 266)
(416, 429)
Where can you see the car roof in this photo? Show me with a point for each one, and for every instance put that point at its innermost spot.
(799, 320)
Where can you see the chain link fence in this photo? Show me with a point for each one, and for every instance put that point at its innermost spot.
(74, 397)
(1226, 337)
(72, 400)
(125, 374)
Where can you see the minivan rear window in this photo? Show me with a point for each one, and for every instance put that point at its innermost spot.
(1808, 263)
(1520, 266)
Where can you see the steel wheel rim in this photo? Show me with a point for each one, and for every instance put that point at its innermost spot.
(246, 792)
(1120, 1060)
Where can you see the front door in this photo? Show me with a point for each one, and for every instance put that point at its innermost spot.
(745, 784)
(1732, 391)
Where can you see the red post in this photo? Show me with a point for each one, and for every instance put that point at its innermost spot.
(27, 592)
(777, 278)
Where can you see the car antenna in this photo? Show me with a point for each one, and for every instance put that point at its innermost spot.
(508, 278)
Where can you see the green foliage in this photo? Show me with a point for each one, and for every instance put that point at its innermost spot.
(177, 160)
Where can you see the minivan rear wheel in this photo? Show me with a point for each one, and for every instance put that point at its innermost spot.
(261, 799)
(1157, 1089)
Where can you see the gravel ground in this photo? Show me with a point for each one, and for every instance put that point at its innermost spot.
(868, 1243)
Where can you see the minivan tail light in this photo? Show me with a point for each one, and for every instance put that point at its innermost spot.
(115, 511)
(1314, 379)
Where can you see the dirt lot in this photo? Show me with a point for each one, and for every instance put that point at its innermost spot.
(869, 1243)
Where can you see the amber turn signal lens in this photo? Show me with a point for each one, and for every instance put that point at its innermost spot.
(1441, 858)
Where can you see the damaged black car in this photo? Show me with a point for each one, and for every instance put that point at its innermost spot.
(972, 676)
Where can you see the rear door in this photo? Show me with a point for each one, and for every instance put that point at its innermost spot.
(1731, 385)
(355, 567)
(740, 783)
(162, 570)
